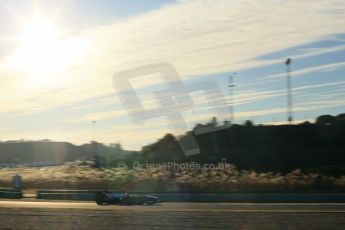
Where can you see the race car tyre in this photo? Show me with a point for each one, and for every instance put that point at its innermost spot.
(150, 202)
(99, 198)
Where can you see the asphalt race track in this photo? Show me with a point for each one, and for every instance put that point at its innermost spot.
(87, 215)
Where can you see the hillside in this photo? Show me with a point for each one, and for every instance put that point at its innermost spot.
(21, 152)
(318, 147)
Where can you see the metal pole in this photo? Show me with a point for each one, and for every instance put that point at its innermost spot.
(289, 94)
(231, 95)
(93, 130)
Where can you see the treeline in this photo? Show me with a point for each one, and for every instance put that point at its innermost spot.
(21, 152)
(313, 147)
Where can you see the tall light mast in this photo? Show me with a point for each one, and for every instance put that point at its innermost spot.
(288, 89)
(231, 97)
(93, 123)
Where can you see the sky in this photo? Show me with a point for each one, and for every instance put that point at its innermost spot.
(58, 59)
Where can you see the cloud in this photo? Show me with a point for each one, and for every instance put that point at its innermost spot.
(198, 37)
(202, 111)
(319, 68)
(103, 115)
(299, 107)
(311, 120)
(205, 37)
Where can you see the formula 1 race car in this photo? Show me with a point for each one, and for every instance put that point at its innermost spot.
(124, 198)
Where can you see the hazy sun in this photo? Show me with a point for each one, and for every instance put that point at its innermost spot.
(43, 53)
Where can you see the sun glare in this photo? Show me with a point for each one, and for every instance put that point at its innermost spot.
(43, 54)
